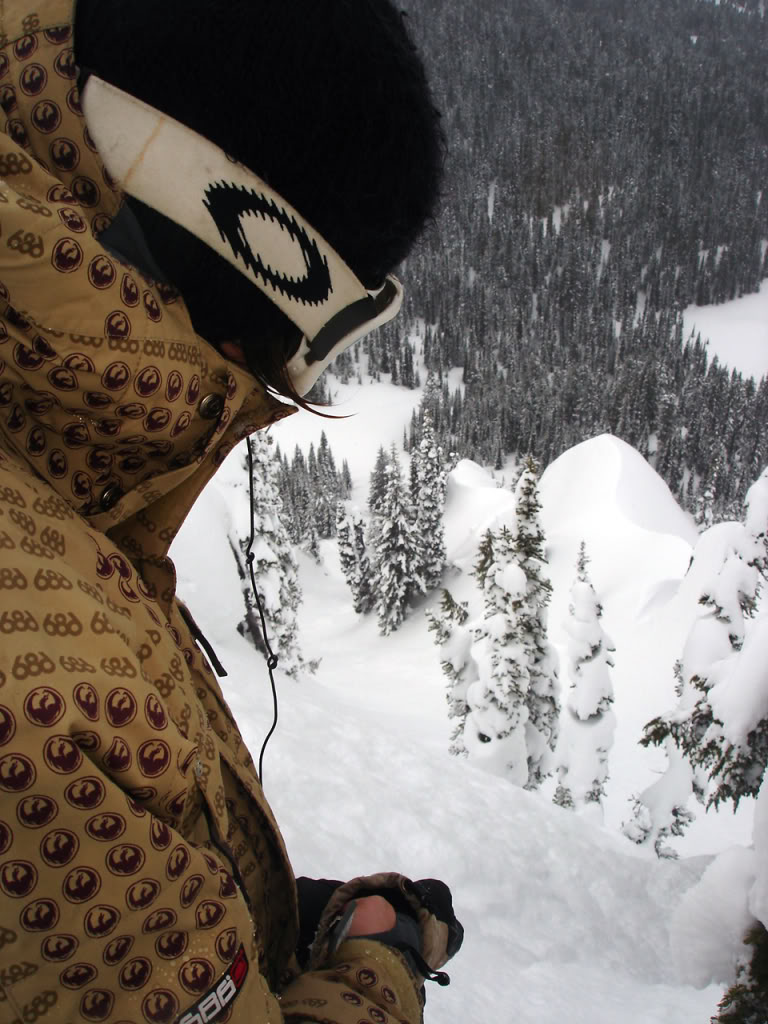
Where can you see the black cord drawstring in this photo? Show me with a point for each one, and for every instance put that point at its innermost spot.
(421, 964)
(197, 633)
(271, 657)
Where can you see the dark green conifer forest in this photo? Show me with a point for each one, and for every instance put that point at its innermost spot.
(607, 167)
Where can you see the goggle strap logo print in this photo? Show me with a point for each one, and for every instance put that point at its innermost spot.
(228, 203)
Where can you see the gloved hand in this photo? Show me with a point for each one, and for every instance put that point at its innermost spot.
(424, 928)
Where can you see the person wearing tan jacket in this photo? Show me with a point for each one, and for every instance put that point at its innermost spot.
(158, 291)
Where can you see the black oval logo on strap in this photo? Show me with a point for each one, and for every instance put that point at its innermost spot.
(228, 203)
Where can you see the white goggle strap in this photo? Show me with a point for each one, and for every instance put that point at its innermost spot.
(347, 327)
(189, 179)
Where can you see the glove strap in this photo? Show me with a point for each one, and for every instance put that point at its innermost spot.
(421, 964)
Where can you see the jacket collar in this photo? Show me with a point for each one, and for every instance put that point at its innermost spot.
(106, 391)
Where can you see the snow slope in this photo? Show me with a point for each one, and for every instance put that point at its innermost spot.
(562, 918)
(736, 332)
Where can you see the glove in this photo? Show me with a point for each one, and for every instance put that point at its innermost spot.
(426, 931)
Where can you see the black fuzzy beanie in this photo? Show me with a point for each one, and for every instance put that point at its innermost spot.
(326, 100)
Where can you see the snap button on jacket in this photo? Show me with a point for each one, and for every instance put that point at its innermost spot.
(142, 875)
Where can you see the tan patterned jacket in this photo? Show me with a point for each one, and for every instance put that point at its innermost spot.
(142, 875)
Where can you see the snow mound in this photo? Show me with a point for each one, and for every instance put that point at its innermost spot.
(603, 476)
(474, 502)
(712, 918)
(604, 493)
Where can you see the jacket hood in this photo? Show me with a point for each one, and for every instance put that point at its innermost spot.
(106, 391)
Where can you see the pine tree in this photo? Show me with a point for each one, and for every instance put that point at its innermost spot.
(345, 541)
(717, 736)
(429, 502)
(543, 693)
(741, 770)
(353, 556)
(408, 372)
(274, 565)
(378, 483)
(484, 559)
(431, 399)
(310, 489)
(513, 706)
(746, 1000)
(454, 639)
(365, 585)
(326, 488)
(346, 480)
(704, 508)
(414, 477)
(396, 550)
(495, 729)
(719, 723)
(589, 722)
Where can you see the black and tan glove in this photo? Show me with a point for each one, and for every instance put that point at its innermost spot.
(426, 932)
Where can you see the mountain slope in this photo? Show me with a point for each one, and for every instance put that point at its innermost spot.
(561, 918)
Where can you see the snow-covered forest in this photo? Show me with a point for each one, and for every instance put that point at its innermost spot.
(607, 170)
(517, 587)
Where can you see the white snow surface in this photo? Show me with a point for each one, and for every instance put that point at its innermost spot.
(740, 700)
(703, 919)
(758, 901)
(564, 920)
(736, 331)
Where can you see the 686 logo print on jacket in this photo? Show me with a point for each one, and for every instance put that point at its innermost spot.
(220, 996)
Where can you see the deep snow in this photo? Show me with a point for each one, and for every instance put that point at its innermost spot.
(736, 332)
(563, 919)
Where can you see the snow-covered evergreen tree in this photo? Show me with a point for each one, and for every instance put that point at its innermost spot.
(428, 494)
(353, 556)
(512, 723)
(345, 540)
(746, 1000)
(717, 736)
(310, 488)
(659, 812)
(588, 724)
(484, 559)
(378, 484)
(543, 695)
(274, 564)
(495, 732)
(735, 751)
(365, 585)
(431, 397)
(453, 637)
(326, 489)
(721, 721)
(396, 572)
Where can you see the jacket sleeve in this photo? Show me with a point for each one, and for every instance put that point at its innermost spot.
(364, 980)
(112, 904)
(108, 909)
